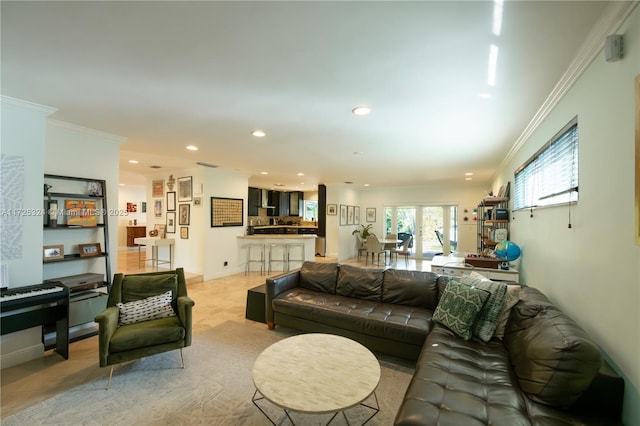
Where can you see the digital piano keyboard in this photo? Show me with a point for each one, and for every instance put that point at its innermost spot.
(40, 304)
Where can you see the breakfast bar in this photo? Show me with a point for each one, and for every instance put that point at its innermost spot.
(300, 246)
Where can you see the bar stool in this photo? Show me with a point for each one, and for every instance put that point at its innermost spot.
(272, 256)
(290, 248)
(252, 249)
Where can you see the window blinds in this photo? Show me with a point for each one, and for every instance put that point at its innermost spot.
(550, 177)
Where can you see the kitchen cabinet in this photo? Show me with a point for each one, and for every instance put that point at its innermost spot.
(253, 201)
(280, 200)
(296, 207)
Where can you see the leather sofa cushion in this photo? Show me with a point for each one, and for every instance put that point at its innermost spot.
(360, 283)
(461, 382)
(411, 288)
(319, 276)
(400, 323)
(553, 357)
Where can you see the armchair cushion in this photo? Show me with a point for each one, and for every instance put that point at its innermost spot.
(146, 334)
(136, 287)
(153, 307)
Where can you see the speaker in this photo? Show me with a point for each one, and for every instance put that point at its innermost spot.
(613, 48)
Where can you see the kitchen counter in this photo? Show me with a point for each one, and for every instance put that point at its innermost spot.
(309, 241)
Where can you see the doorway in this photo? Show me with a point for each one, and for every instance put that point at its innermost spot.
(424, 223)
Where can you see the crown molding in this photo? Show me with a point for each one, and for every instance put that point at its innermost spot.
(86, 131)
(613, 17)
(20, 105)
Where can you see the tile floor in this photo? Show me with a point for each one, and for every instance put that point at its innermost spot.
(217, 301)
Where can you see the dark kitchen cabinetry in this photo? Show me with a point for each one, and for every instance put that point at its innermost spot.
(280, 200)
(254, 201)
(296, 203)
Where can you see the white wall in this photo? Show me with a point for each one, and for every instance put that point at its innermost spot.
(23, 139)
(592, 271)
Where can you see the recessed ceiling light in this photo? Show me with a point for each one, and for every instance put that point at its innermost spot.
(366, 184)
(192, 147)
(133, 161)
(264, 173)
(258, 133)
(469, 174)
(300, 174)
(121, 184)
(361, 110)
(468, 178)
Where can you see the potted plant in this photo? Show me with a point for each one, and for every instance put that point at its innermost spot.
(363, 232)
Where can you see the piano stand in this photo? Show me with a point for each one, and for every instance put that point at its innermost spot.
(40, 310)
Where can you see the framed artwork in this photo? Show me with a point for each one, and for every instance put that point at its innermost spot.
(184, 214)
(184, 232)
(349, 215)
(227, 212)
(81, 213)
(171, 222)
(171, 201)
(157, 188)
(157, 208)
(143, 206)
(356, 215)
(185, 189)
(132, 208)
(371, 214)
(51, 253)
(332, 209)
(90, 250)
(197, 201)
(343, 215)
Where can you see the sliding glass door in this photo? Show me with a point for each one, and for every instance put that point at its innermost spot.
(433, 228)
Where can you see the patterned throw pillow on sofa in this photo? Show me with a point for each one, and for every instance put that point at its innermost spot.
(153, 307)
(487, 320)
(459, 307)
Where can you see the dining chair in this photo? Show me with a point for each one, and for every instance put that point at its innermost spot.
(375, 247)
(361, 246)
(391, 246)
(404, 250)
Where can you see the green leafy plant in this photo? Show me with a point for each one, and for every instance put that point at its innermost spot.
(363, 231)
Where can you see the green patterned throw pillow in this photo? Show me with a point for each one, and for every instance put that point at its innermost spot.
(487, 320)
(459, 307)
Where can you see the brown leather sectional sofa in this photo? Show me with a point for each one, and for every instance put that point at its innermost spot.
(546, 370)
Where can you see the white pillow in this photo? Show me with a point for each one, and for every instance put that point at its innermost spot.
(513, 296)
(153, 307)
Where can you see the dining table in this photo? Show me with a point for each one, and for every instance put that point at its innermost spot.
(389, 244)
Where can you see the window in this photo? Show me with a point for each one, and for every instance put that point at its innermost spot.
(310, 210)
(550, 177)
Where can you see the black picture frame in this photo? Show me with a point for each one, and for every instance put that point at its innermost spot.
(184, 214)
(227, 212)
(171, 222)
(171, 201)
(343, 215)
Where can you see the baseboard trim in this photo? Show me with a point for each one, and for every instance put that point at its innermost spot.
(21, 356)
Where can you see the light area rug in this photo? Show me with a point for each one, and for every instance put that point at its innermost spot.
(215, 388)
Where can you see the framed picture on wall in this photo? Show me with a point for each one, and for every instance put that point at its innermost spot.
(185, 210)
(343, 215)
(157, 208)
(171, 222)
(349, 215)
(332, 209)
(356, 215)
(371, 214)
(157, 188)
(184, 232)
(185, 189)
(171, 201)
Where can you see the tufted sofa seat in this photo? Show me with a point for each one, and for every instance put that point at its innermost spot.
(544, 371)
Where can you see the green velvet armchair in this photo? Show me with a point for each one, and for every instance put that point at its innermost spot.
(119, 342)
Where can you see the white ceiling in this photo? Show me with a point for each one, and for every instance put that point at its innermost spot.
(169, 74)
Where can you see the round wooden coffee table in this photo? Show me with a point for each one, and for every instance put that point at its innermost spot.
(316, 374)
